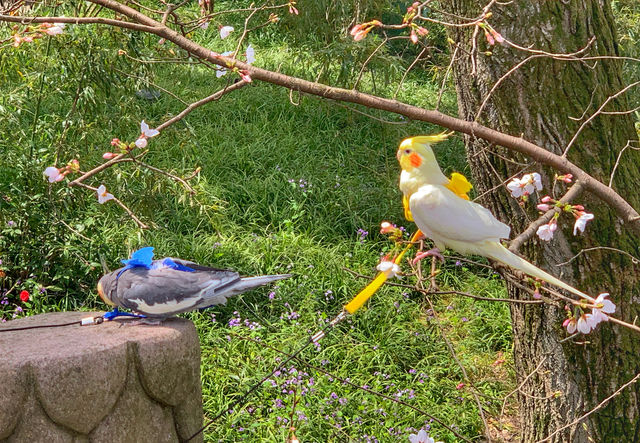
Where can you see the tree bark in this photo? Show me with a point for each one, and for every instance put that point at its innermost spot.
(546, 101)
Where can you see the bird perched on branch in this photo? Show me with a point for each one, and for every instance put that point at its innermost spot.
(441, 209)
(159, 289)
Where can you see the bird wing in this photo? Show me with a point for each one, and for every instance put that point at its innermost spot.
(438, 210)
(165, 291)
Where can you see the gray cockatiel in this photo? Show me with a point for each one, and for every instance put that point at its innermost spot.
(163, 288)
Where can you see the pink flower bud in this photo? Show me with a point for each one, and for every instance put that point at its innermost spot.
(115, 142)
(413, 37)
(566, 322)
(537, 295)
(460, 386)
(543, 207)
(578, 208)
(496, 35)
(489, 38)
(108, 155)
(422, 31)
(245, 75)
(546, 199)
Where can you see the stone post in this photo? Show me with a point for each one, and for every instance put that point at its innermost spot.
(107, 382)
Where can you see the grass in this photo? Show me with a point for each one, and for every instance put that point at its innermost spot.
(283, 188)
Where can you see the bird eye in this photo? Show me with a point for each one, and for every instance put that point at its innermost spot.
(407, 151)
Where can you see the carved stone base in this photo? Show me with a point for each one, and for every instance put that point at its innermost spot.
(107, 382)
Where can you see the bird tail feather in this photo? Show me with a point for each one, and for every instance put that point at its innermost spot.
(248, 283)
(500, 253)
(220, 295)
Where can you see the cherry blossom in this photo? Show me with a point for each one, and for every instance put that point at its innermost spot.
(581, 221)
(567, 178)
(489, 37)
(108, 155)
(521, 187)
(292, 8)
(413, 37)
(358, 32)
(603, 307)
(146, 133)
(421, 437)
(496, 35)
(55, 29)
(571, 325)
(545, 232)
(53, 174)
(222, 71)
(544, 207)
(389, 268)
(515, 188)
(245, 75)
(225, 31)
(421, 31)
(103, 195)
(586, 323)
(251, 55)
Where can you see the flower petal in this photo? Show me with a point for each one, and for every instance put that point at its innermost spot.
(225, 31)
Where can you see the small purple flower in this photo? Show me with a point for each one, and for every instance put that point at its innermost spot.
(272, 295)
(412, 371)
(213, 318)
(458, 263)
(11, 223)
(18, 309)
(362, 233)
(465, 319)
(216, 245)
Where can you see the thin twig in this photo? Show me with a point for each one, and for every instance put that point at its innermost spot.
(122, 205)
(634, 260)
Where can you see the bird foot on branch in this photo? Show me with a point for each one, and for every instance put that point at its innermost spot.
(435, 252)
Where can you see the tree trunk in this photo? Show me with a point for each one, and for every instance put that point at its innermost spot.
(546, 101)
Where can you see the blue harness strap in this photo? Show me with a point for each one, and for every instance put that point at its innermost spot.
(108, 316)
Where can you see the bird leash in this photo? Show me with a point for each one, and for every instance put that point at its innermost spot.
(349, 309)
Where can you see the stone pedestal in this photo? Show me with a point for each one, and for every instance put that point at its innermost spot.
(105, 383)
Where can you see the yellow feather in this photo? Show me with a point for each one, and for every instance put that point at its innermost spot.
(407, 211)
(431, 139)
(459, 185)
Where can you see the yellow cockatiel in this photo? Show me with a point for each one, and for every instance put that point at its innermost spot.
(441, 209)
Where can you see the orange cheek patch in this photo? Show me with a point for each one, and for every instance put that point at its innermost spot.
(415, 160)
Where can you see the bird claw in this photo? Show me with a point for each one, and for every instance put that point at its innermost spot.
(435, 252)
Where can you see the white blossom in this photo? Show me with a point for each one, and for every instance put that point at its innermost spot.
(225, 31)
(103, 195)
(581, 222)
